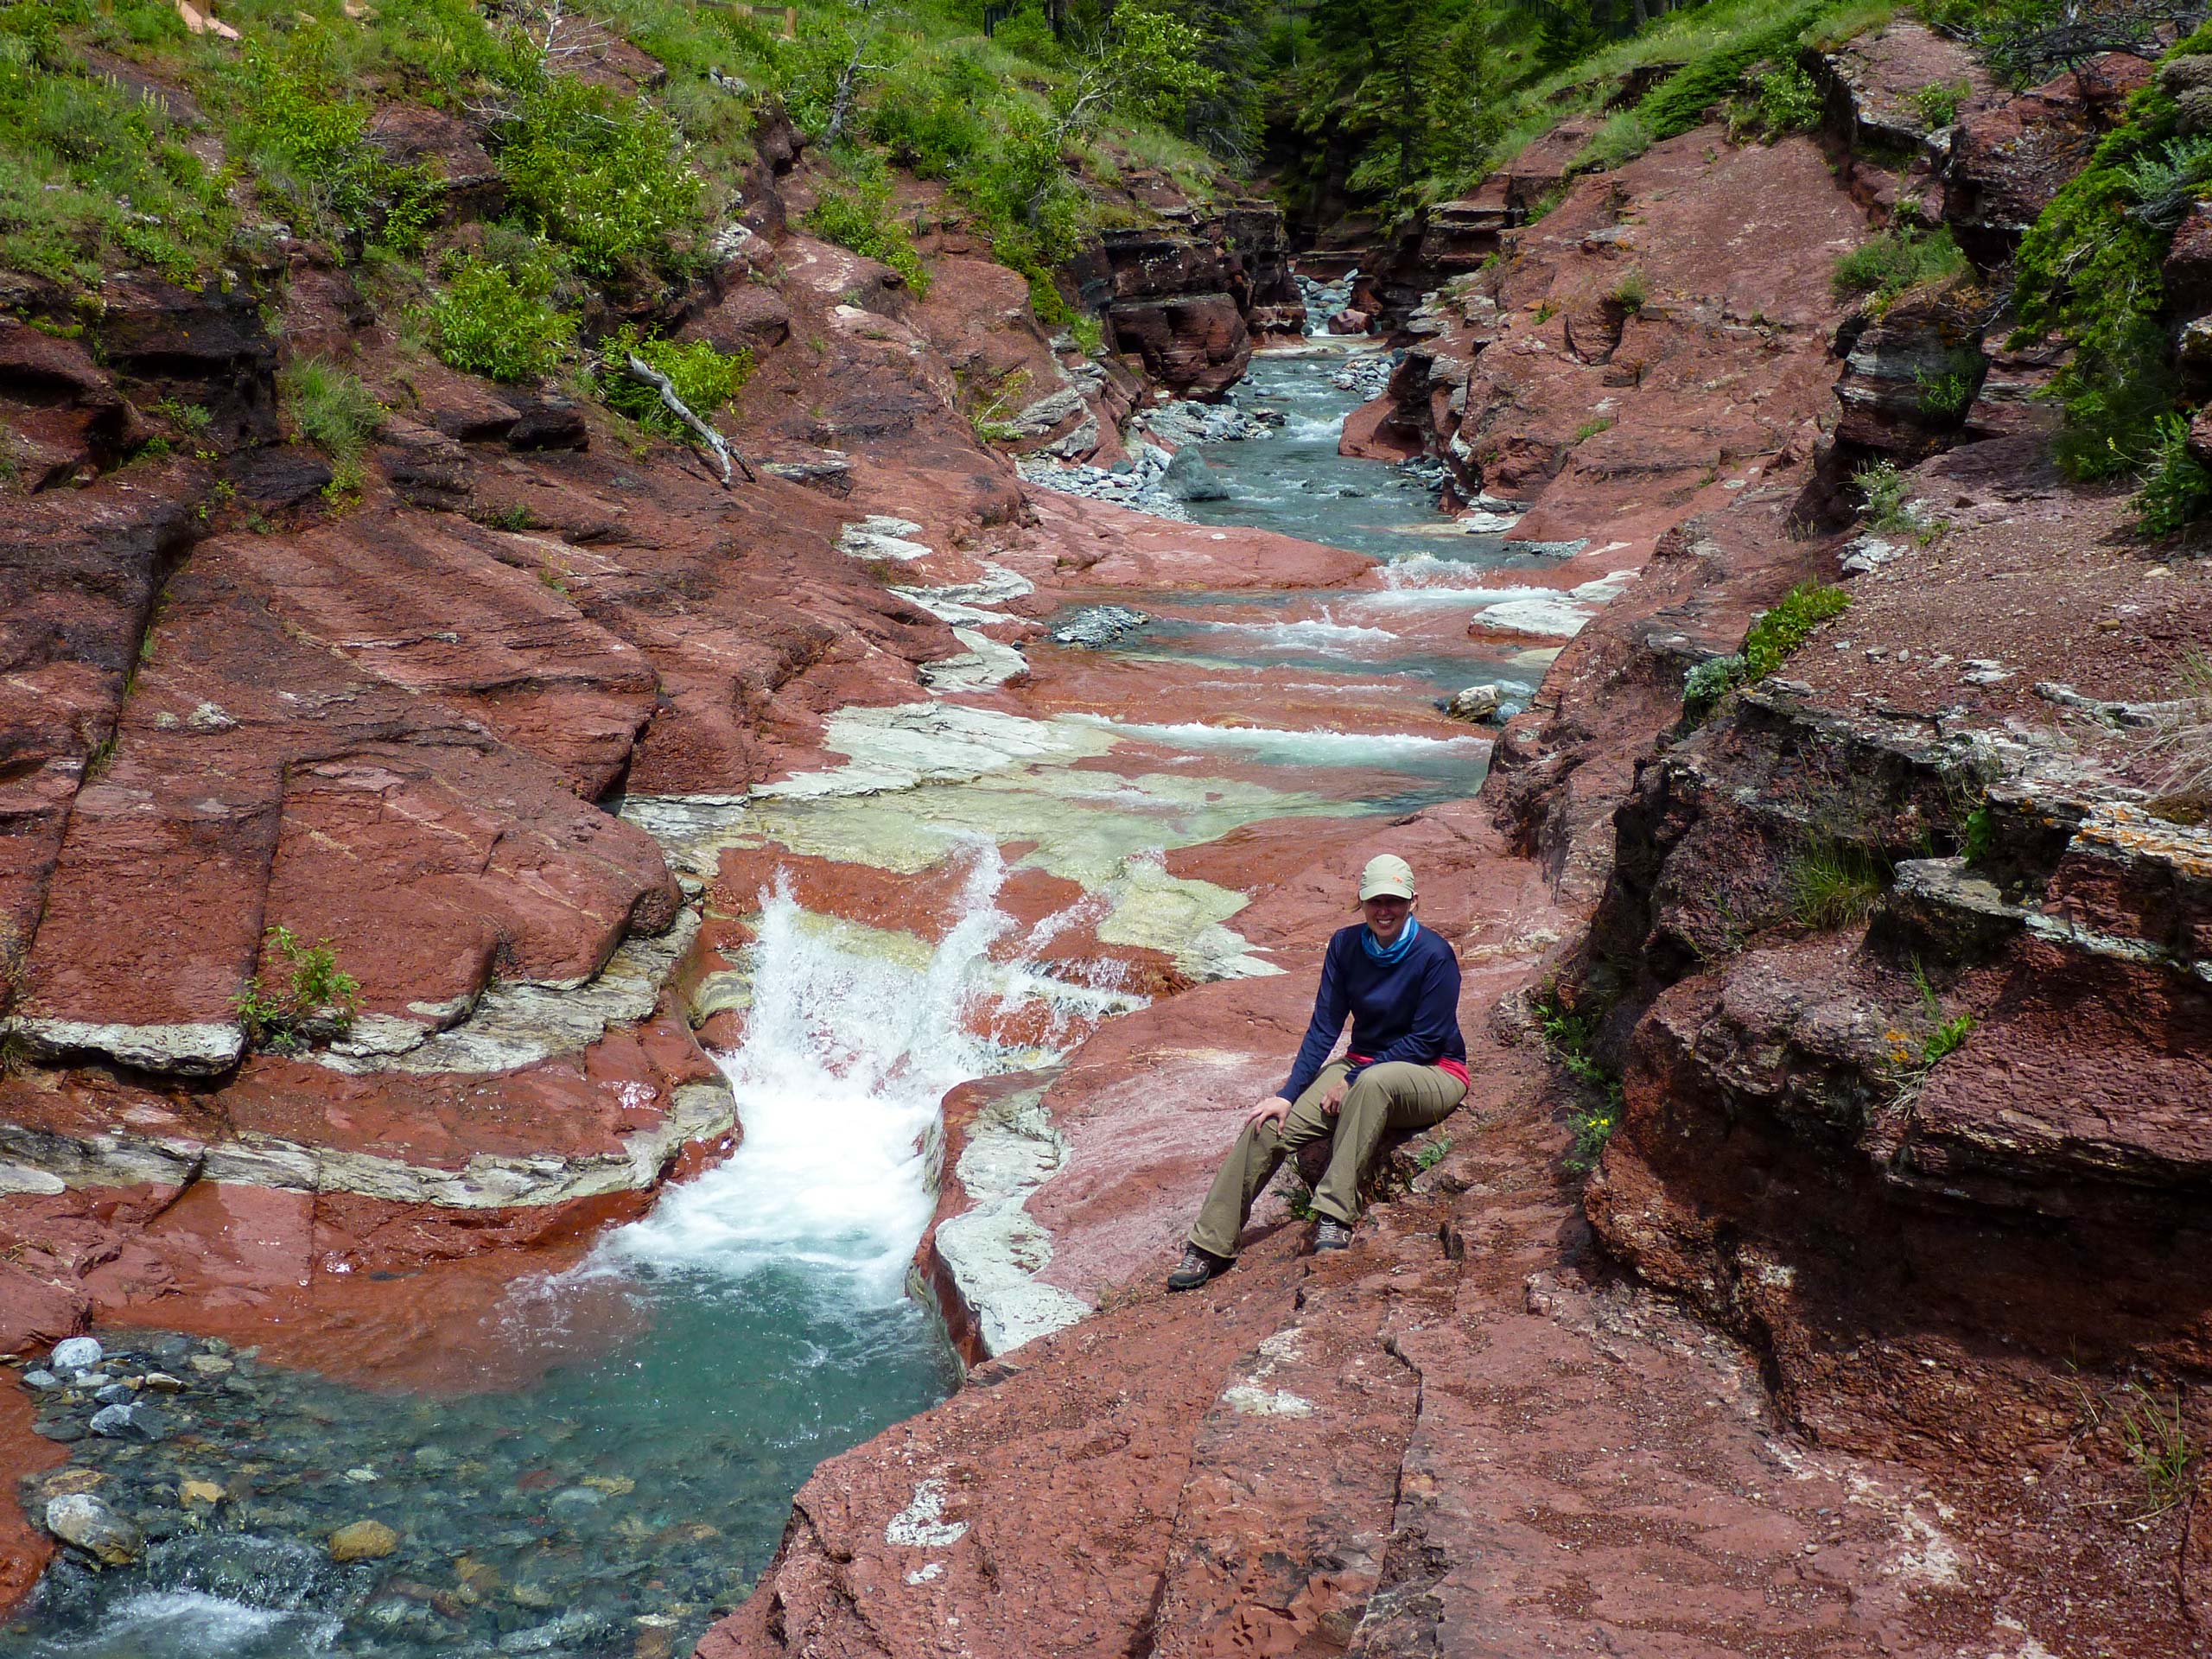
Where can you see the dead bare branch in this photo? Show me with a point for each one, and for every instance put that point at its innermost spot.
(638, 369)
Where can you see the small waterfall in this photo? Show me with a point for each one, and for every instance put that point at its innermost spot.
(845, 1058)
(1325, 300)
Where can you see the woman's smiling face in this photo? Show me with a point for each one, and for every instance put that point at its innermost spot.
(1386, 917)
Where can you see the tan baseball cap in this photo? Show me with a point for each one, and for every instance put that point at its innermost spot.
(1386, 876)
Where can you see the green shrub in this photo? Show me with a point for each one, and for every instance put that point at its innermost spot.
(193, 418)
(2164, 184)
(1938, 102)
(1779, 632)
(1835, 883)
(1030, 204)
(603, 175)
(333, 411)
(497, 322)
(318, 998)
(1570, 1039)
(1946, 1039)
(1625, 136)
(860, 218)
(1704, 686)
(932, 116)
(1631, 292)
(1881, 489)
(1090, 333)
(1680, 102)
(1900, 259)
(2088, 269)
(1948, 393)
(2175, 489)
(309, 148)
(1787, 100)
(703, 378)
(1980, 839)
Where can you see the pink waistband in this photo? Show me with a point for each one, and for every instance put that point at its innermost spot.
(1449, 1068)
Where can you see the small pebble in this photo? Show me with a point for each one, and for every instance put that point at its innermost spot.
(363, 1540)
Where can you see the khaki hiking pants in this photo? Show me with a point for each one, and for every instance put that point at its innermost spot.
(1396, 1096)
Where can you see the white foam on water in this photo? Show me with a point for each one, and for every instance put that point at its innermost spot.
(1305, 634)
(846, 1055)
(1423, 579)
(1310, 428)
(193, 1624)
(1425, 574)
(1308, 748)
(844, 1059)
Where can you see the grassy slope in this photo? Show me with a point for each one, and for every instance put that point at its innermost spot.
(615, 188)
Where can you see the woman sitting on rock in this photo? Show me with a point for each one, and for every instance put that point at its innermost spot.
(1406, 1069)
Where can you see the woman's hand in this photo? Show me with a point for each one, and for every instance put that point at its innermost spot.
(1334, 1097)
(1270, 1109)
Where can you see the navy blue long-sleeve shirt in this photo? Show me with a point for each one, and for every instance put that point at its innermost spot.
(1402, 1010)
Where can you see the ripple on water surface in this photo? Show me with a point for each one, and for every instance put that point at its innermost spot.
(1293, 480)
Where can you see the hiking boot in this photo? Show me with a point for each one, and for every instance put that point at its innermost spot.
(1329, 1234)
(1196, 1268)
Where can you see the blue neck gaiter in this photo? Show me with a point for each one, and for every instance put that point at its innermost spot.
(1391, 952)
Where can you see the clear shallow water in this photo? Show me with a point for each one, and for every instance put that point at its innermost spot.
(1359, 636)
(1294, 481)
(1432, 575)
(1390, 773)
(756, 1322)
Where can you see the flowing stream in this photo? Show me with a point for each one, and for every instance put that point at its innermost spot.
(757, 1321)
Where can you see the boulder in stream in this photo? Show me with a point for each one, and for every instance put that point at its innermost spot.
(1189, 479)
(1476, 702)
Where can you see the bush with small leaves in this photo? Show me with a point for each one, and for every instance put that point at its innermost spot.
(318, 999)
(704, 378)
(1938, 102)
(1570, 1039)
(1705, 685)
(1788, 101)
(2176, 489)
(1779, 632)
(1885, 266)
(1882, 495)
(500, 323)
(603, 175)
(860, 218)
